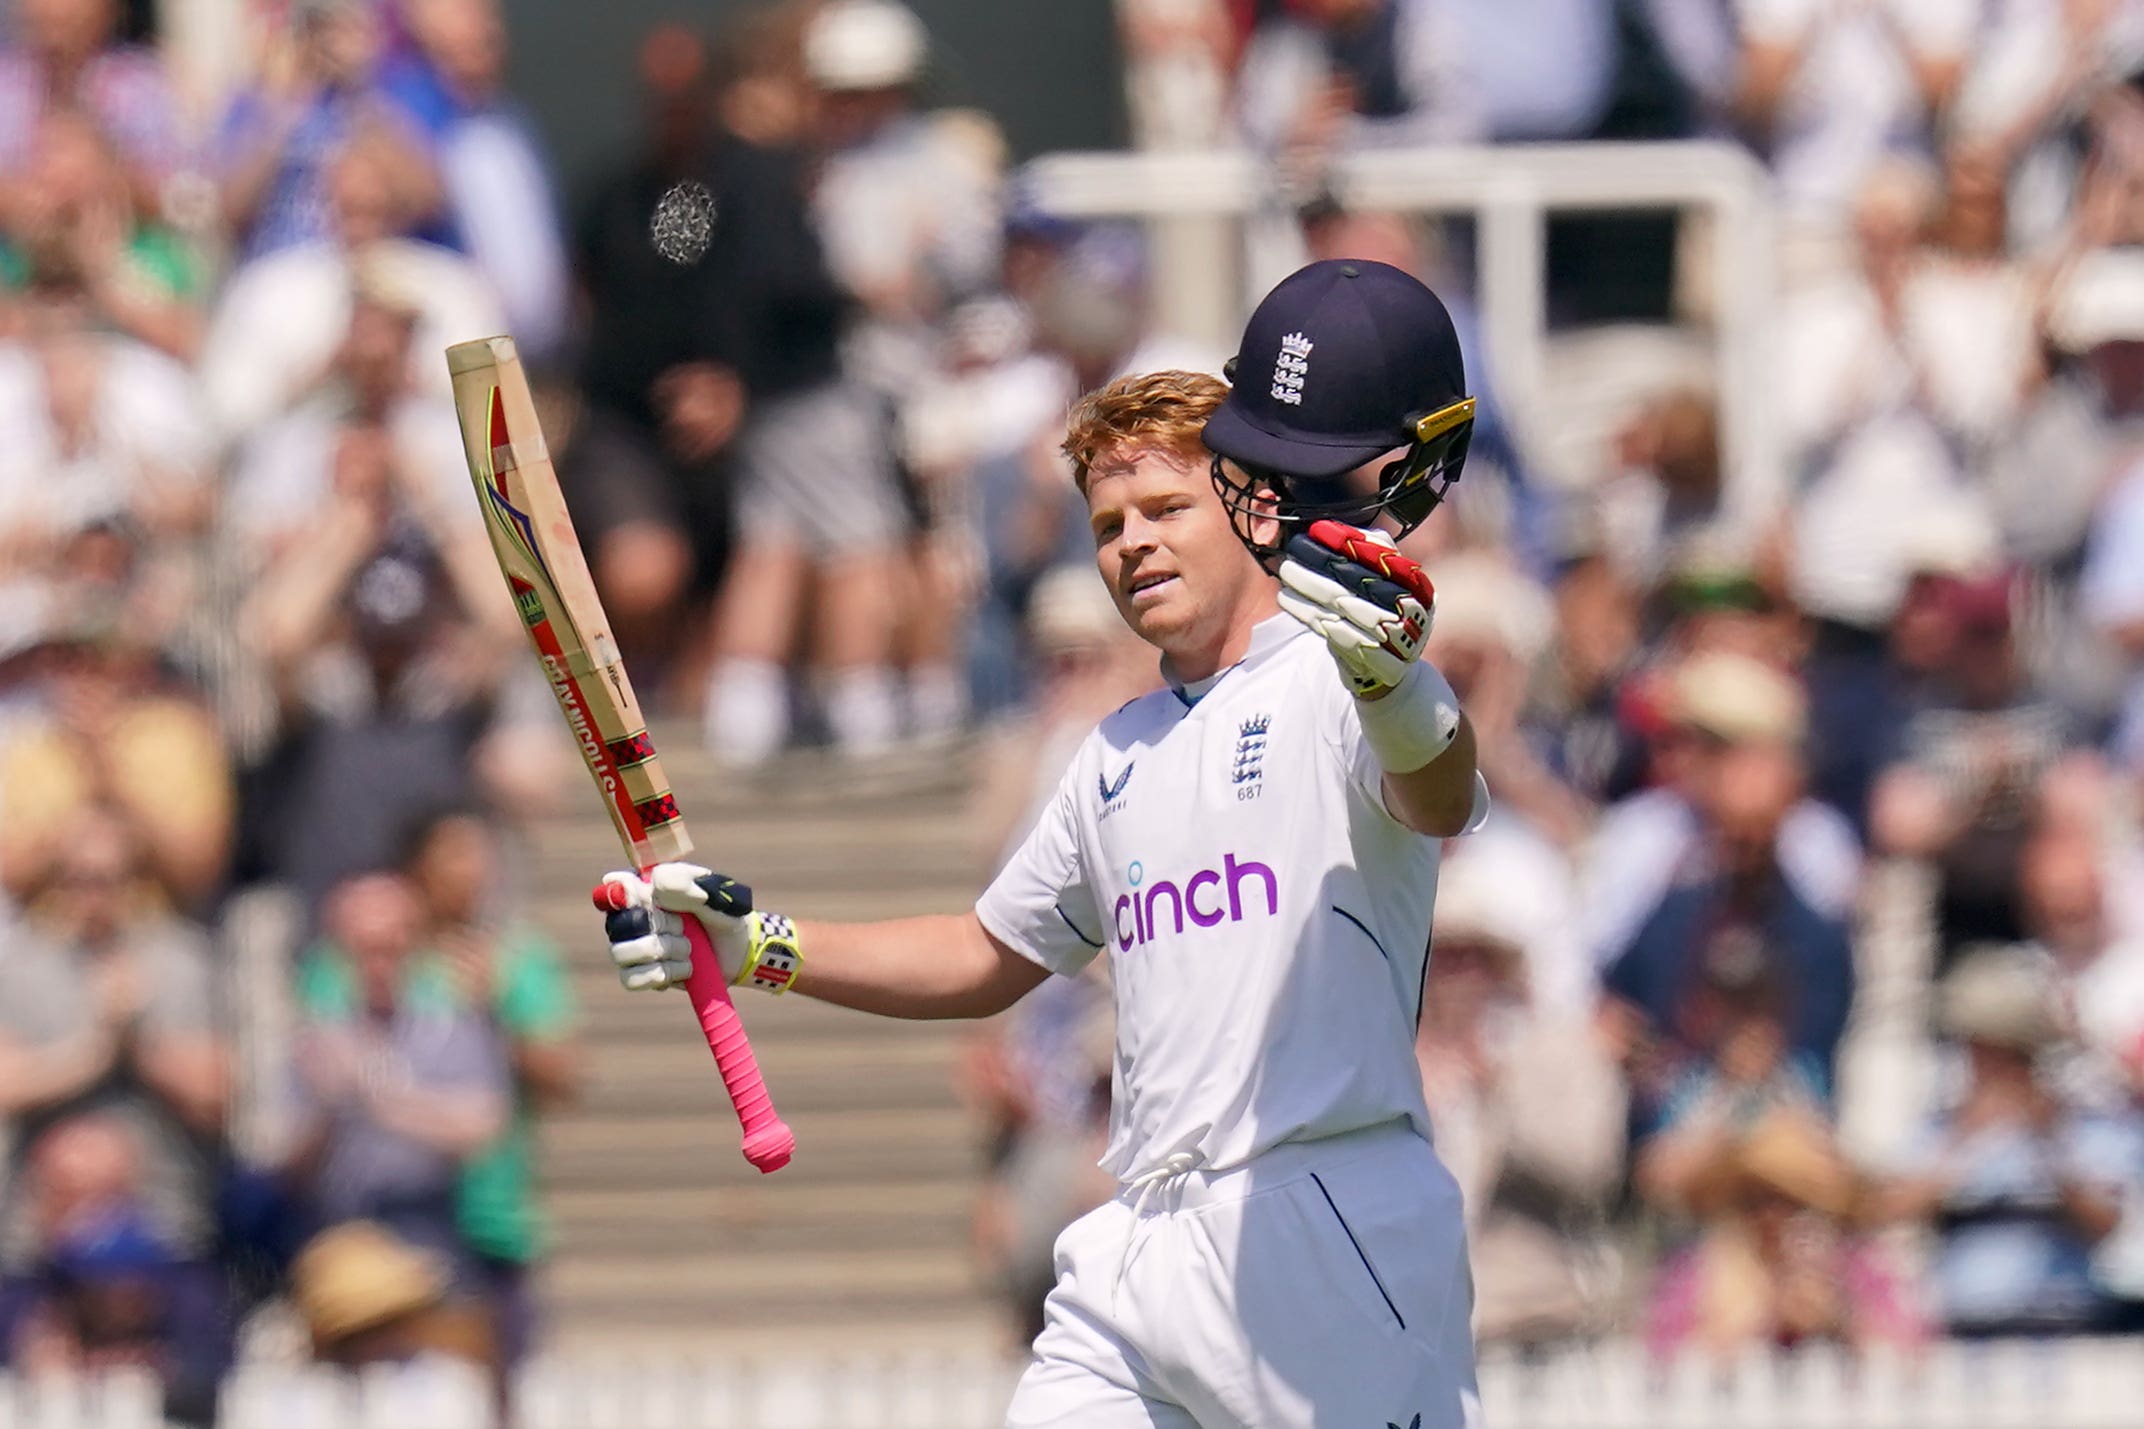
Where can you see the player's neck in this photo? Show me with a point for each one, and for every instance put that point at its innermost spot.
(1227, 646)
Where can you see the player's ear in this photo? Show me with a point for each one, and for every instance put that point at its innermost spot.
(1264, 522)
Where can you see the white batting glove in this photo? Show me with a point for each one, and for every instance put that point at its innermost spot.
(1372, 604)
(644, 921)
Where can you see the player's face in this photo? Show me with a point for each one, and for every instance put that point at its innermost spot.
(1163, 541)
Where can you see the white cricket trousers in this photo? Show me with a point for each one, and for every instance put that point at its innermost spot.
(1324, 1283)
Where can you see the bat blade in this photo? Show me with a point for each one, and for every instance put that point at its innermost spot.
(540, 555)
(532, 535)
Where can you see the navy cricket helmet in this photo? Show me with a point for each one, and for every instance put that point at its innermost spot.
(1344, 361)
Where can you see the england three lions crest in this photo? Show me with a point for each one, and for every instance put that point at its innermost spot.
(1291, 367)
(1248, 768)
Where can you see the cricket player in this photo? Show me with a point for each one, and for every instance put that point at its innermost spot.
(1256, 846)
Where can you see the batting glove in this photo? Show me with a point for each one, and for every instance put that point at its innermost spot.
(644, 921)
(1372, 604)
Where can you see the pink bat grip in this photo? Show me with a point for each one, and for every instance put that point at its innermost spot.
(768, 1141)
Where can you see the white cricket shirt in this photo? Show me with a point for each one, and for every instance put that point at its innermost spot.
(1267, 919)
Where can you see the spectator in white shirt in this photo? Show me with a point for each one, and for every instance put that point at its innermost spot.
(1825, 92)
(274, 335)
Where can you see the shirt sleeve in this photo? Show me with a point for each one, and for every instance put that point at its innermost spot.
(535, 997)
(463, 1056)
(1041, 904)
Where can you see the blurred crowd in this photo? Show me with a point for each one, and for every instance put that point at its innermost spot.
(1796, 989)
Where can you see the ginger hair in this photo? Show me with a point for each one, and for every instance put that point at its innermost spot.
(1157, 411)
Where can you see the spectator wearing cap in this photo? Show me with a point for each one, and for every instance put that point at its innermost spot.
(1865, 685)
(501, 207)
(2018, 1185)
(2085, 426)
(371, 1303)
(906, 203)
(1780, 1257)
(1971, 774)
(318, 90)
(1712, 705)
(1528, 1112)
(66, 55)
(1741, 867)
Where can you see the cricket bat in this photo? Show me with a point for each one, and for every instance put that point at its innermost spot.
(532, 535)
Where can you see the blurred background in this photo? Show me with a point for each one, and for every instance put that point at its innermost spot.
(1785, 1027)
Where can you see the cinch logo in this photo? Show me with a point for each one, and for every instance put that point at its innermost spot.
(1206, 898)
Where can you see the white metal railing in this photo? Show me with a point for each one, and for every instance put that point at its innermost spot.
(1510, 190)
(2076, 1384)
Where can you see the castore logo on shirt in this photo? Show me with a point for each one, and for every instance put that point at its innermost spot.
(1112, 790)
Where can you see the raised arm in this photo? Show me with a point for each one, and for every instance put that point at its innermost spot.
(1437, 798)
(937, 966)
(1374, 606)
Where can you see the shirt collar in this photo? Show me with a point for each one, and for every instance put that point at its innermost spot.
(1267, 636)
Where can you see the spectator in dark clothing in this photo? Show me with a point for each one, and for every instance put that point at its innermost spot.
(1967, 786)
(678, 349)
(1859, 700)
(109, 1290)
(1733, 901)
(1865, 686)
